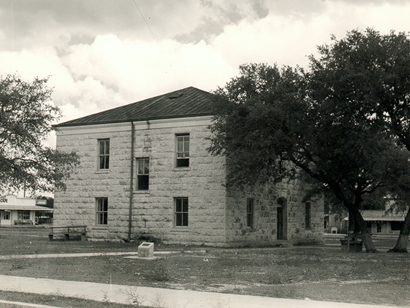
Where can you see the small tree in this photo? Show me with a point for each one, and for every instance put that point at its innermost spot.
(26, 116)
(372, 71)
(268, 117)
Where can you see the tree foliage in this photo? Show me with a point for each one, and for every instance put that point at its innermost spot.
(372, 71)
(26, 118)
(268, 117)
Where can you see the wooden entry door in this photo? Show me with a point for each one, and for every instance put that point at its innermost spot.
(280, 224)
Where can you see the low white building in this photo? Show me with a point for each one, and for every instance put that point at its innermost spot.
(15, 211)
(384, 222)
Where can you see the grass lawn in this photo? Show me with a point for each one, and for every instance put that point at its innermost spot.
(320, 273)
(57, 301)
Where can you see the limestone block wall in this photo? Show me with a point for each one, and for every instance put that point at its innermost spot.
(153, 210)
(77, 205)
(202, 183)
(267, 200)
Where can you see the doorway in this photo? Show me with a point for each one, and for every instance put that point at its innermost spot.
(281, 219)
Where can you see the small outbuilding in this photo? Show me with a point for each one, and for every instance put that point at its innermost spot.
(20, 211)
(383, 222)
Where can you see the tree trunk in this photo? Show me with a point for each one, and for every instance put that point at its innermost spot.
(361, 224)
(401, 244)
(353, 225)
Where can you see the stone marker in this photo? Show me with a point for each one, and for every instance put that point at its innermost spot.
(146, 250)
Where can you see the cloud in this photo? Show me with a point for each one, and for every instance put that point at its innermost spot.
(138, 69)
(110, 72)
(92, 71)
(288, 39)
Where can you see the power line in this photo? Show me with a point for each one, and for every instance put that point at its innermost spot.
(144, 19)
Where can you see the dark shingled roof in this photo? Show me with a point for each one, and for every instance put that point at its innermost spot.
(187, 102)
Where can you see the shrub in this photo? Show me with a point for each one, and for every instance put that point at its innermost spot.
(307, 238)
(23, 222)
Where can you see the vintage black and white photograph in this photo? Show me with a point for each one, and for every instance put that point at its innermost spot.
(205, 153)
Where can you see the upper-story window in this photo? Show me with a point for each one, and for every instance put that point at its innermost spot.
(103, 153)
(182, 150)
(143, 173)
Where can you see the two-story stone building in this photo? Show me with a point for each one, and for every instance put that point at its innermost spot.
(145, 170)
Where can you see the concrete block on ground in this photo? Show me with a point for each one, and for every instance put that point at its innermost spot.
(146, 250)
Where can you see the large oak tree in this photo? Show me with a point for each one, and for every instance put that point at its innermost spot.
(372, 72)
(270, 125)
(26, 118)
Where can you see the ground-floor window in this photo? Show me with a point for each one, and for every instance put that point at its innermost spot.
(101, 210)
(6, 215)
(181, 211)
(250, 210)
(23, 215)
(308, 216)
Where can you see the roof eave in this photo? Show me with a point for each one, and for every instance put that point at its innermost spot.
(67, 124)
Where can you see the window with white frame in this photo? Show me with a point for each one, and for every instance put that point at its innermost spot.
(103, 154)
(23, 215)
(142, 173)
(101, 211)
(182, 150)
(6, 215)
(181, 211)
(250, 211)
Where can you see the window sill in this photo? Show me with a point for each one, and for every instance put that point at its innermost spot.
(102, 171)
(100, 227)
(182, 168)
(141, 192)
(180, 229)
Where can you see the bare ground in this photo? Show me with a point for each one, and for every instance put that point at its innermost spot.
(319, 273)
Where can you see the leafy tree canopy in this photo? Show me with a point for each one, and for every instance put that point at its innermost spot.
(371, 71)
(268, 117)
(26, 118)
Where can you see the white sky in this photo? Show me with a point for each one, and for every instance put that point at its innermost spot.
(100, 54)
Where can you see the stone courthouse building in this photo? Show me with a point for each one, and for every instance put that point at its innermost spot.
(145, 171)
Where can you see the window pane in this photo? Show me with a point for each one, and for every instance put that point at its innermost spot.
(143, 166)
(140, 166)
(178, 219)
(107, 147)
(101, 147)
(143, 182)
(186, 144)
(178, 205)
(180, 144)
(183, 162)
(185, 219)
(146, 166)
